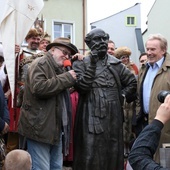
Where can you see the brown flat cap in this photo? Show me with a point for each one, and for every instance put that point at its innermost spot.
(63, 42)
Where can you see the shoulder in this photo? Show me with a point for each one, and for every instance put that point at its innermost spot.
(40, 60)
(86, 60)
(167, 60)
(113, 60)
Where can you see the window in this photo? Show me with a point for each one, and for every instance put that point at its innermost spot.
(63, 30)
(130, 21)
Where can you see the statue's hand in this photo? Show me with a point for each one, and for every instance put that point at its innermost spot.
(94, 56)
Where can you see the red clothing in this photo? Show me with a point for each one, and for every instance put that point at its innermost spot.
(74, 102)
(14, 115)
(135, 68)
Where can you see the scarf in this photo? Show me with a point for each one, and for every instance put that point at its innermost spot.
(64, 108)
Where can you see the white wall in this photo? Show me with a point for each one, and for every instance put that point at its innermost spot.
(121, 34)
(159, 20)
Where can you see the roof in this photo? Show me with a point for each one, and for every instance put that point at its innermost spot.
(151, 7)
(115, 14)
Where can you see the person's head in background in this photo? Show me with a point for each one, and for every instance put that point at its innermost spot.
(61, 49)
(44, 41)
(123, 54)
(18, 160)
(143, 58)
(156, 48)
(111, 47)
(33, 39)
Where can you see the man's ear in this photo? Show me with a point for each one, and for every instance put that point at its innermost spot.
(87, 40)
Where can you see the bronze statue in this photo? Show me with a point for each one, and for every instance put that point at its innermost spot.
(102, 82)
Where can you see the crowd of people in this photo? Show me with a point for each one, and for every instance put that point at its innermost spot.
(93, 111)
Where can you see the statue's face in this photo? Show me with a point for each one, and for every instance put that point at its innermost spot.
(98, 40)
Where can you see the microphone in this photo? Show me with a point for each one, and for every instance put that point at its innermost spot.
(67, 65)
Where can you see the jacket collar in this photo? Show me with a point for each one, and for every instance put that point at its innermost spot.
(112, 60)
(166, 63)
(164, 66)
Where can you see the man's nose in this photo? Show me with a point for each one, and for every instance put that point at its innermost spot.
(67, 56)
(149, 51)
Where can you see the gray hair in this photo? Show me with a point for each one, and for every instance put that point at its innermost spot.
(161, 38)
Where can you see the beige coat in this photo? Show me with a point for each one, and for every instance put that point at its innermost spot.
(161, 82)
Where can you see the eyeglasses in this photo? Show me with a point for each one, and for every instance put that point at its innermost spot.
(124, 57)
(64, 52)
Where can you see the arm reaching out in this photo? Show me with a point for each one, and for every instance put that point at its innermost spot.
(141, 155)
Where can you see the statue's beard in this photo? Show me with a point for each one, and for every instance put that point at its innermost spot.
(101, 48)
(102, 53)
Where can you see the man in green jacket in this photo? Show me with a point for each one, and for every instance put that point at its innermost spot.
(45, 111)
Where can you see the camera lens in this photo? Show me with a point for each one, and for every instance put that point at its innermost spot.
(162, 94)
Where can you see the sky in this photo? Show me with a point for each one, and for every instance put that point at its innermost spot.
(99, 9)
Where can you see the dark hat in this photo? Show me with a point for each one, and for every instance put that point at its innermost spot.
(63, 42)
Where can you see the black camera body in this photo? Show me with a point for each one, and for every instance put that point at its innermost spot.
(162, 94)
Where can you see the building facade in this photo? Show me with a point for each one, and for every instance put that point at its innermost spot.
(66, 18)
(158, 20)
(124, 29)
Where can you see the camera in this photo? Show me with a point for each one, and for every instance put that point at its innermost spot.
(162, 94)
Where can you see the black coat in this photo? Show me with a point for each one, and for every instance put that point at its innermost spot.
(4, 113)
(98, 135)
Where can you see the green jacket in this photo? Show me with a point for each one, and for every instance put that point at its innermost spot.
(42, 107)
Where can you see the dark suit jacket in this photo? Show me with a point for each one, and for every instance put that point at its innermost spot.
(4, 113)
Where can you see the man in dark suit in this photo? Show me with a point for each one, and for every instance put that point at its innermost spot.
(4, 114)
